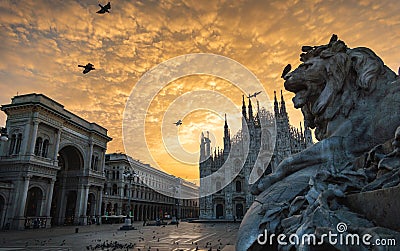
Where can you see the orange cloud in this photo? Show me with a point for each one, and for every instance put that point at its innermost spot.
(43, 41)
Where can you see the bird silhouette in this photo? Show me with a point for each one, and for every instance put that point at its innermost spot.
(104, 8)
(286, 70)
(88, 67)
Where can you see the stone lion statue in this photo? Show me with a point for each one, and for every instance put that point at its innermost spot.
(352, 99)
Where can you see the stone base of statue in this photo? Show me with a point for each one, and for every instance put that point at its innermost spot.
(342, 192)
(127, 225)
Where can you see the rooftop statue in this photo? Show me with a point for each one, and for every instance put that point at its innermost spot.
(353, 101)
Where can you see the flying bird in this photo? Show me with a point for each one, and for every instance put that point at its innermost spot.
(87, 67)
(286, 70)
(178, 123)
(254, 94)
(104, 8)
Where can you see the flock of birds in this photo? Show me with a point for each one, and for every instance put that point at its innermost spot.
(103, 9)
(89, 66)
(140, 245)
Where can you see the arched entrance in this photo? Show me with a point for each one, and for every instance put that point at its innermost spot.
(70, 208)
(239, 210)
(63, 209)
(34, 202)
(219, 211)
(90, 210)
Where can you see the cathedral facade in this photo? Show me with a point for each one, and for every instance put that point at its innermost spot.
(254, 151)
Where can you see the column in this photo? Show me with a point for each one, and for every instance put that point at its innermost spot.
(19, 220)
(80, 211)
(49, 197)
(57, 147)
(121, 190)
(34, 136)
(84, 204)
(25, 139)
(79, 201)
(90, 154)
(49, 200)
(102, 160)
(61, 205)
(99, 203)
(23, 196)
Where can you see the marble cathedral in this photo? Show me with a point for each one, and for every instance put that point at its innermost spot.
(232, 201)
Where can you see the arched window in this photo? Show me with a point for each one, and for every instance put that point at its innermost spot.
(115, 190)
(12, 144)
(38, 146)
(92, 162)
(238, 186)
(18, 144)
(105, 188)
(126, 191)
(45, 148)
(96, 163)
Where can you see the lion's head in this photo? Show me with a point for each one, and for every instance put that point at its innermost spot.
(331, 79)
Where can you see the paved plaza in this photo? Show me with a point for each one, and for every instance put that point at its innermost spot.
(188, 236)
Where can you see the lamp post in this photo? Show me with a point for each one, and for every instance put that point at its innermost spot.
(176, 203)
(4, 134)
(128, 222)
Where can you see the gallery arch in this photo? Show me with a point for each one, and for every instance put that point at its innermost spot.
(55, 147)
(34, 202)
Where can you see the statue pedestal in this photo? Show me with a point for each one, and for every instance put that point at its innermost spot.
(380, 206)
(127, 225)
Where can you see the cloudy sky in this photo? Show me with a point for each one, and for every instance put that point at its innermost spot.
(43, 41)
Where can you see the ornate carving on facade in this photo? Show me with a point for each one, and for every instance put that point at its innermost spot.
(288, 141)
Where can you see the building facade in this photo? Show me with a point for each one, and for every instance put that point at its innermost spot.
(51, 168)
(147, 193)
(54, 171)
(232, 200)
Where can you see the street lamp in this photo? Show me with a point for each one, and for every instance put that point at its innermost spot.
(129, 176)
(4, 134)
(176, 203)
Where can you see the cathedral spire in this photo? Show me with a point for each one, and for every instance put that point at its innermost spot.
(276, 108)
(250, 111)
(202, 148)
(244, 108)
(283, 106)
(227, 139)
(301, 131)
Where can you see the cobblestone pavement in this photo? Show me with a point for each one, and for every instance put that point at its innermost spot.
(188, 236)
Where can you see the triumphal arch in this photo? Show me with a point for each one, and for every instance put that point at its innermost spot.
(51, 167)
